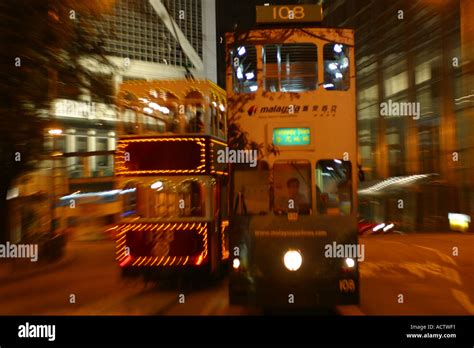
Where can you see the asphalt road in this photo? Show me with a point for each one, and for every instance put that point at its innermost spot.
(433, 272)
(401, 274)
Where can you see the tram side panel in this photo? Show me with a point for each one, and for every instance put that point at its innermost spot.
(158, 236)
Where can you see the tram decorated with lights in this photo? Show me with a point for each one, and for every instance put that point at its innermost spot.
(174, 190)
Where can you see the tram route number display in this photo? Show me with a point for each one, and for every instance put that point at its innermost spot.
(289, 13)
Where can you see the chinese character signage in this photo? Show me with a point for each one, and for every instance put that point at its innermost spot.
(291, 136)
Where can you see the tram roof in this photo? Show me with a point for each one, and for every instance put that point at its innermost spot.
(262, 36)
(171, 90)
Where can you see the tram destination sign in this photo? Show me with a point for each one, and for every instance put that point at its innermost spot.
(289, 13)
(291, 136)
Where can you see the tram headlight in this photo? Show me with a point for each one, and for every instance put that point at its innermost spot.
(293, 260)
(236, 263)
(349, 263)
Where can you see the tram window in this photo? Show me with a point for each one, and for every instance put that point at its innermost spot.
(165, 199)
(334, 187)
(160, 126)
(290, 67)
(336, 67)
(191, 194)
(196, 119)
(221, 122)
(292, 187)
(129, 199)
(159, 199)
(244, 69)
(180, 123)
(251, 193)
(214, 116)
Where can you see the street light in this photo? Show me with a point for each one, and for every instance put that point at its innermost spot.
(55, 131)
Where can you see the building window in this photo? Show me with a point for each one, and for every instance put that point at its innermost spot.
(67, 86)
(102, 161)
(102, 88)
(81, 144)
(132, 78)
(56, 143)
(137, 32)
(290, 67)
(395, 75)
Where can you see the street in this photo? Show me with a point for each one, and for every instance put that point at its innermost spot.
(91, 285)
(420, 267)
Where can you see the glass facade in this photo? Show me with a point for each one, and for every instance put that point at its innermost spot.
(139, 34)
(400, 51)
(414, 104)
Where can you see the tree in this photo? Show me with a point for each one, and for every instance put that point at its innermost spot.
(43, 45)
(238, 138)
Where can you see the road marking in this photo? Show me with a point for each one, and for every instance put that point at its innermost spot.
(443, 257)
(420, 270)
(464, 300)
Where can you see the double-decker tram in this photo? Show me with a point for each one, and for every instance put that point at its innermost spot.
(173, 188)
(294, 215)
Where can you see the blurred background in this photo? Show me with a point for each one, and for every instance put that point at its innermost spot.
(61, 63)
(416, 171)
(72, 56)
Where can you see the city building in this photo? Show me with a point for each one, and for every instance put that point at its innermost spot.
(419, 54)
(144, 40)
(416, 56)
(142, 45)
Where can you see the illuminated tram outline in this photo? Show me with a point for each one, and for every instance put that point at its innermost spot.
(166, 231)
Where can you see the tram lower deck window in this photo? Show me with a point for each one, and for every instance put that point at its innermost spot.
(334, 187)
(292, 187)
(165, 199)
(251, 191)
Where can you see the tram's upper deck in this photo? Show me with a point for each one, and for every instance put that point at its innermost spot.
(294, 89)
(185, 107)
